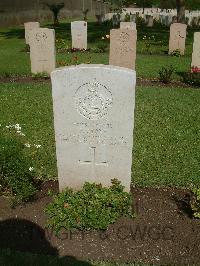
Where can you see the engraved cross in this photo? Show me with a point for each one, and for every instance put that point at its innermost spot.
(94, 161)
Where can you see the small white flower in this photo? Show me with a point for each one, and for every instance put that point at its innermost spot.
(27, 145)
(102, 38)
(17, 127)
(37, 146)
(107, 36)
(21, 134)
(31, 169)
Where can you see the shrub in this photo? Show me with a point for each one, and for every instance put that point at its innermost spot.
(39, 75)
(165, 74)
(101, 48)
(139, 21)
(127, 17)
(93, 207)
(16, 174)
(195, 203)
(191, 78)
(148, 40)
(176, 53)
(61, 46)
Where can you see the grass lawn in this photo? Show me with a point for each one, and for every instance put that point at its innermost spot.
(166, 136)
(16, 62)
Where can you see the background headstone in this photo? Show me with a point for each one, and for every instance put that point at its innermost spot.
(127, 25)
(150, 21)
(79, 34)
(133, 17)
(177, 37)
(123, 48)
(93, 117)
(28, 27)
(196, 53)
(42, 50)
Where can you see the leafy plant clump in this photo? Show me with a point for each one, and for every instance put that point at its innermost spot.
(176, 53)
(195, 204)
(191, 78)
(93, 207)
(165, 74)
(40, 75)
(16, 175)
(101, 48)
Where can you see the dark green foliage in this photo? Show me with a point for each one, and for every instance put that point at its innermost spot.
(15, 177)
(191, 78)
(127, 17)
(144, 3)
(85, 13)
(101, 48)
(195, 203)
(176, 53)
(55, 9)
(165, 74)
(139, 21)
(93, 207)
(39, 75)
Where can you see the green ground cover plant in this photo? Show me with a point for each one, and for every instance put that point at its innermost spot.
(92, 207)
(16, 173)
(165, 74)
(195, 203)
(192, 79)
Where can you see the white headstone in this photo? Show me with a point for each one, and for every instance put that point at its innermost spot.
(29, 26)
(177, 37)
(123, 48)
(127, 25)
(133, 17)
(79, 34)
(42, 50)
(93, 117)
(150, 21)
(196, 53)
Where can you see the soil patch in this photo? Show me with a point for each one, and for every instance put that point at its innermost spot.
(140, 82)
(162, 233)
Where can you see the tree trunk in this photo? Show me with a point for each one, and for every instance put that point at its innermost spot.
(56, 22)
(180, 4)
(143, 6)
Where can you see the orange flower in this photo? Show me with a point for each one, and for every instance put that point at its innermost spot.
(66, 205)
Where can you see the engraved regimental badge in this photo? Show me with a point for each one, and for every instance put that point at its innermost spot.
(93, 100)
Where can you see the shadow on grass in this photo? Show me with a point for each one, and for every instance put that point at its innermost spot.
(20, 235)
(13, 33)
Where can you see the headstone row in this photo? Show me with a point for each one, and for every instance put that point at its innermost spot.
(122, 44)
(42, 47)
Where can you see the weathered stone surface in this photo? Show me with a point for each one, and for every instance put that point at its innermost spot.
(177, 37)
(29, 26)
(93, 118)
(127, 25)
(42, 50)
(123, 48)
(196, 53)
(79, 34)
(150, 21)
